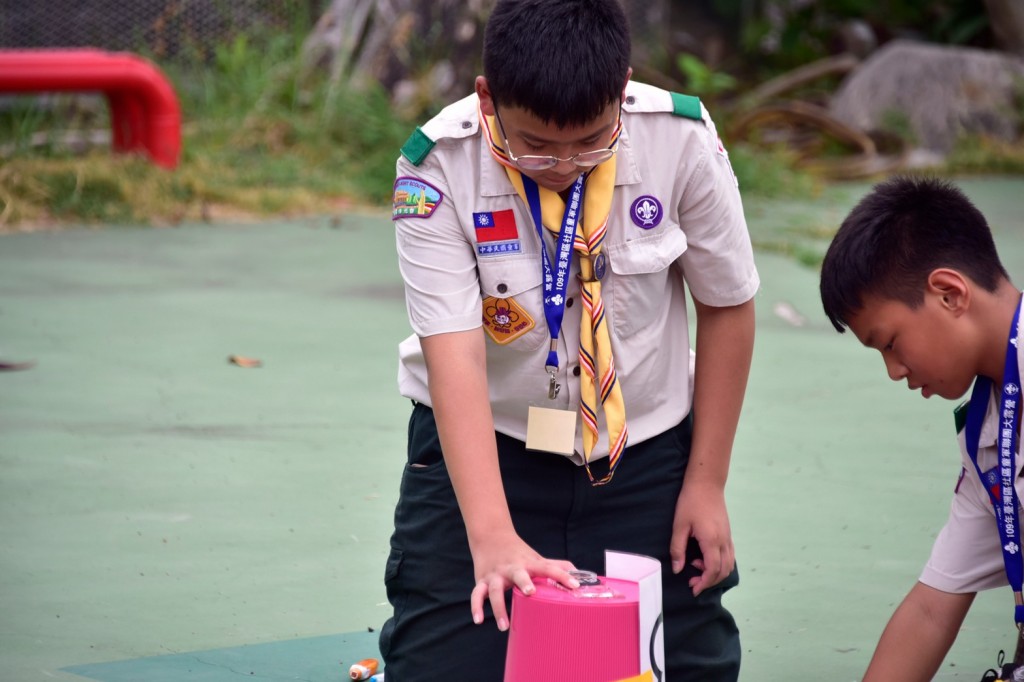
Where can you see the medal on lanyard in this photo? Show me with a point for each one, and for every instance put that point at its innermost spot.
(550, 429)
(1004, 501)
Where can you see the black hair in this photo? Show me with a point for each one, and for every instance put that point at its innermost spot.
(564, 61)
(895, 237)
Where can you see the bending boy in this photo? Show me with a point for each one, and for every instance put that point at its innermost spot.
(913, 272)
(548, 229)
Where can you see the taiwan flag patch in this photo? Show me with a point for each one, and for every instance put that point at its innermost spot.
(496, 232)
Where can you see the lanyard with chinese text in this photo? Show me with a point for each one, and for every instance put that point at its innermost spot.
(556, 280)
(1004, 501)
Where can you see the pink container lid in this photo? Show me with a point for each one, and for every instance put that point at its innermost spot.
(560, 637)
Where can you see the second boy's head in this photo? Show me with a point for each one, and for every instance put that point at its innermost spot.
(902, 272)
(554, 74)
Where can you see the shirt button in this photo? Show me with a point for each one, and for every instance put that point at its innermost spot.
(568, 303)
(630, 99)
(502, 288)
(466, 125)
(576, 371)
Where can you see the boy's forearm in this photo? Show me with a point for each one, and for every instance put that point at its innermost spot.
(458, 390)
(918, 635)
(725, 343)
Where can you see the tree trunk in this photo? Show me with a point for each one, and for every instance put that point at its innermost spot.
(427, 52)
(649, 29)
(422, 51)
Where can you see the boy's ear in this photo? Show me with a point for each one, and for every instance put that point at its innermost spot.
(629, 74)
(483, 92)
(951, 288)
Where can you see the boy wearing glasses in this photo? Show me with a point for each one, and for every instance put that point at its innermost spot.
(548, 227)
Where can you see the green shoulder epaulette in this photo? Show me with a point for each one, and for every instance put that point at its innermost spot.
(960, 416)
(686, 105)
(417, 147)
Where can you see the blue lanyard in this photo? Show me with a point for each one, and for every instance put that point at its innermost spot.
(1004, 500)
(556, 280)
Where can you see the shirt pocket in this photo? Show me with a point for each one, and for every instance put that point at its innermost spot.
(518, 280)
(639, 291)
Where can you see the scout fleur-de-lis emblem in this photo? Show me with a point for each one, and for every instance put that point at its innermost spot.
(646, 212)
(1011, 547)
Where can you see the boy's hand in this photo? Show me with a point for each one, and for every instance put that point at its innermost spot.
(501, 562)
(701, 514)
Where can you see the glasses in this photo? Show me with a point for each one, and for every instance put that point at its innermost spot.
(583, 160)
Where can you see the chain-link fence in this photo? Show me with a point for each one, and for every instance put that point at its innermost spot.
(163, 29)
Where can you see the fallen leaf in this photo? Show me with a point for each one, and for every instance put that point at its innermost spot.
(243, 361)
(7, 366)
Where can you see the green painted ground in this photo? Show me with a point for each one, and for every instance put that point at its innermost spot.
(165, 515)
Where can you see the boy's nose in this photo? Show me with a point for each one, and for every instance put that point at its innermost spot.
(564, 164)
(895, 369)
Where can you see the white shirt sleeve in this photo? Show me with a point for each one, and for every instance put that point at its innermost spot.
(437, 262)
(966, 556)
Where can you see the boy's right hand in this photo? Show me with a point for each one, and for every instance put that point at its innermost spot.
(503, 561)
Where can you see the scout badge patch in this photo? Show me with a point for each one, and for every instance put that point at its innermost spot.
(414, 198)
(505, 320)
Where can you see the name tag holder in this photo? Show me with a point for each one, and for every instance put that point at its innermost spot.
(552, 429)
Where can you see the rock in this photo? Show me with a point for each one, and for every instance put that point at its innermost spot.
(940, 92)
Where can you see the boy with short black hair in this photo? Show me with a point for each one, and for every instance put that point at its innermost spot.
(914, 273)
(549, 228)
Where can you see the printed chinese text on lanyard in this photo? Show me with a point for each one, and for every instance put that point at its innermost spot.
(556, 280)
(1004, 500)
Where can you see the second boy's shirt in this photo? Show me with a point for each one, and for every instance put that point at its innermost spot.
(470, 256)
(967, 555)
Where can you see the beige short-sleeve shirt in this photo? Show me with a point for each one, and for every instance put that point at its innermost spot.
(967, 555)
(676, 217)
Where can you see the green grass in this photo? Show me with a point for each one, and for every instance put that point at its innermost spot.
(257, 140)
(260, 139)
(980, 155)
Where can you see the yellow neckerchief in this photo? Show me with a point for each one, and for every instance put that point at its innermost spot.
(595, 344)
(597, 200)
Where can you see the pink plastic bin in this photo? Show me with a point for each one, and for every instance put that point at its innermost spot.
(557, 636)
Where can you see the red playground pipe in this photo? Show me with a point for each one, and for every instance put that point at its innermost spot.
(144, 111)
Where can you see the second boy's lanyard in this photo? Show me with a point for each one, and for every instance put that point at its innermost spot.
(1005, 503)
(556, 280)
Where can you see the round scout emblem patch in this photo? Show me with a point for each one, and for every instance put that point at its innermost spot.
(646, 212)
(600, 266)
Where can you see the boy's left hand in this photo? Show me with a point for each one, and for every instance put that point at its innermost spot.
(702, 515)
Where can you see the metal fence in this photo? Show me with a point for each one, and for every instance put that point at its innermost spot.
(163, 29)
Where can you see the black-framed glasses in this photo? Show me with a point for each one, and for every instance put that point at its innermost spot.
(583, 160)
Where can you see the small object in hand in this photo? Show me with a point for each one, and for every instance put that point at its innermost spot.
(364, 669)
(1006, 672)
(243, 361)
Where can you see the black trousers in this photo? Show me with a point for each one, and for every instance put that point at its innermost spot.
(429, 573)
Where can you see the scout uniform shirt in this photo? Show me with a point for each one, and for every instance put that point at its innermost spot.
(470, 255)
(967, 555)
